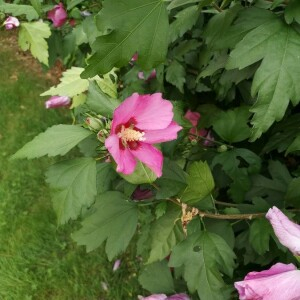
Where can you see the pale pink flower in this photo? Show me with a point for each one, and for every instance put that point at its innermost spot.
(151, 76)
(58, 101)
(281, 281)
(139, 122)
(58, 15)
(11, 23)
(287, 231)
(116, 265)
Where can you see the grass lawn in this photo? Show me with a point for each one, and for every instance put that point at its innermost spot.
(38, 260)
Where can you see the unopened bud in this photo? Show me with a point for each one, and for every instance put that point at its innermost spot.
(194, 142)
(102, 135)
(93, 123)
(222, 148)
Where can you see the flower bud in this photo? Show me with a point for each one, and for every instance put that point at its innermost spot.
(102, 135)
(11, 23)
(58, 101)
(222, 148)
(94, 123)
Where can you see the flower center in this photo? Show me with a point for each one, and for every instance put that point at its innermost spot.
(130, 135)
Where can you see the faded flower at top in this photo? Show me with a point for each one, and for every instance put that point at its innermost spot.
(11, 23)
(281, 281)
(139, 122)
(287, 231)
(58, 15)
(58, 101)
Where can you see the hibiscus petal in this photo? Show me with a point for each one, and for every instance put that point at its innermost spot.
(287, 231)
(125, 111)
(162, 135)
(153, 112)
(150, 156)
(276, 269)
(126, 162)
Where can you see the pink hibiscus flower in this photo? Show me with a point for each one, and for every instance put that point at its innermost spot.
(139, 122)
(58, 15)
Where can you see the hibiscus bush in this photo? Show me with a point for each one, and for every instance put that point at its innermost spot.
(186, 117)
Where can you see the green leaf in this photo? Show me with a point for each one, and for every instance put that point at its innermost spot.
(222, 228)
(277, 45)
(177, 3)
(165, 234)
(273, 190)
(160, 209)
(284, 134)
(100, 102)
(105, 177)
(157, 278)
(292, 12)
(232, 163)
(185, 47)
(175, 74)
(185, 20)
(294, 146)
(32, 36)
(36, 4)
(78, 100)
(200, 183)
(203, 256)
(18, 10)
(108, 83)
(70, 84)
(56, 140)
(136, 26)
(74, 185)
(293, 193)
(90, 29)
(232, 126)
(114, 220)
(73, 3)
(142, 174)
(172, 181)
(80, 35)
(218, 27)
(260, 232)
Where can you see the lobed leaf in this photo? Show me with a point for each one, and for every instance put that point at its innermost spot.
(74, 187)
(32, 36)
(203, 257)
(200, 183)
(277, 45)
(18, 10)
(56, 140)
(165, 233)
(136, 26)
(114, 220)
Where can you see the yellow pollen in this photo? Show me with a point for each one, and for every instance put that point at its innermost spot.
(130, 135)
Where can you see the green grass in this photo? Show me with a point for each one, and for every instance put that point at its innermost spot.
(38, 260)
